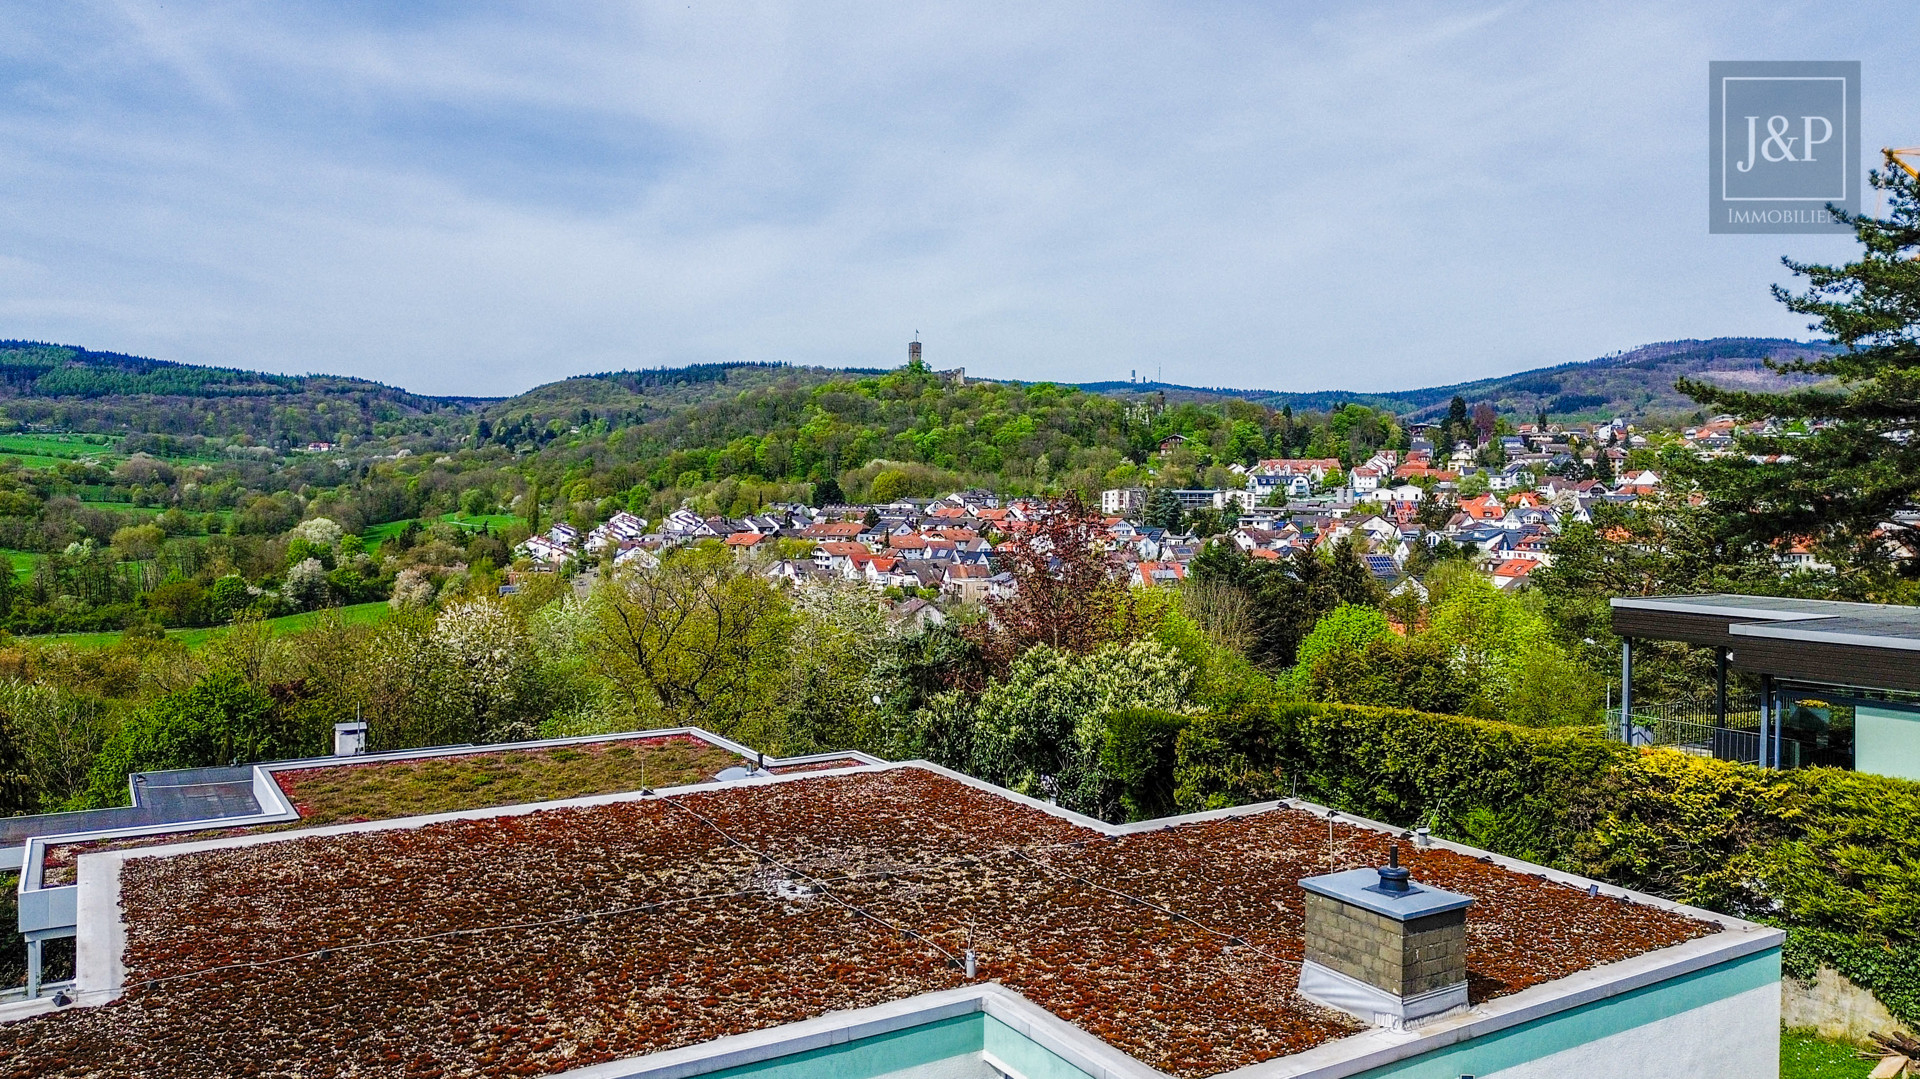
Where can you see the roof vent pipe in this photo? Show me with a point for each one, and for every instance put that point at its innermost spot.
(1393, 878)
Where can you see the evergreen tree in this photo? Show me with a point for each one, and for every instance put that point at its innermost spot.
(1842, 460)
(827, 493)
(1455, 427)
(1287, 600)
(1349, 579)
(1162, 510)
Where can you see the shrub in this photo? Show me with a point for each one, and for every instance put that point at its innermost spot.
(1391, 672)
(1139, 757)
(1041, 731)
(221, 719)
(1833, 856)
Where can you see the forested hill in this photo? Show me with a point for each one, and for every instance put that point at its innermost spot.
(108, 392)
(1635, 383)
(79, 389)
(624, 397)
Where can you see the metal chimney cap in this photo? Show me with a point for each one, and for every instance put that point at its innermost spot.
(1361, 888)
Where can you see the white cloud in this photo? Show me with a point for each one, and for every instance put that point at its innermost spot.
(477, 200)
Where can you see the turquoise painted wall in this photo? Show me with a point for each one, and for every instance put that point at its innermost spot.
(1020, 1053)
(1590, 1022)
(1886, 740)
(915, 1047)
(965, 1038)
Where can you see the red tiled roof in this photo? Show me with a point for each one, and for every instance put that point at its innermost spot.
(832, 529)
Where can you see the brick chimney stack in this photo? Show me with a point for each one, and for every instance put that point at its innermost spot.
(1383, 947)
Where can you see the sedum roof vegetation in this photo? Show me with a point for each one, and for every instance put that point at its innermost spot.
(334, 794)
(375, 789)
(529, 944)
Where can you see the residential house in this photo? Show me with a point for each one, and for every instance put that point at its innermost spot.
(837, 531)
(620, 531)
(746, 543)
(1511, 575)
(915, 615)
(1161, 574)
(1123, 500)
(966, 582)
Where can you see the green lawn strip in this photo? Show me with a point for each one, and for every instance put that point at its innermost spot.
(125, 507)
(52, 446)
(1804, 1055)
(357, 614)
(34, 460)
(495, 521)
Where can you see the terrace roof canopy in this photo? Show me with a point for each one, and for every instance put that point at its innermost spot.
(1824, 642)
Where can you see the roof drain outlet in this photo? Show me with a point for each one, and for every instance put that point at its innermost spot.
(1383, 947)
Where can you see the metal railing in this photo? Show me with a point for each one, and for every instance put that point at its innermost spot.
(1692, 726)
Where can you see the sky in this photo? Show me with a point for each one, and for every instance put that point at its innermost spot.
(474, 198)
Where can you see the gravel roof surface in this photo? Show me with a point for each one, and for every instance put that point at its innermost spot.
(530, 944)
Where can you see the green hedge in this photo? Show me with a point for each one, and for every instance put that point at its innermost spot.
(1833, 856)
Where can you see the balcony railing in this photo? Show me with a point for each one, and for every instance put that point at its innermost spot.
(1694, 736)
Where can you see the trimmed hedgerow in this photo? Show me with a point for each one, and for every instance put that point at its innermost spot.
(1831, 855)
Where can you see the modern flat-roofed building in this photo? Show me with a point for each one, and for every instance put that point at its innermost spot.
(838, 917)
(1839, 682)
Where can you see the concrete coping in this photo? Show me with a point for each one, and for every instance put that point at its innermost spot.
(1029, 1020)
(1361, 888)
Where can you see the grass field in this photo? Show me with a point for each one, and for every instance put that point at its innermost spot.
(358, 614)
(1803, 1056)
(123, 507)
(34, 460)
(49, 450)
(55, 447)
(496, 521)
(24, 562)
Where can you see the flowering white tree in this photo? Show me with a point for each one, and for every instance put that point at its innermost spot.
(483, 653)
(306, 585)
(320, 532)
(412, 589)
(1040, 731)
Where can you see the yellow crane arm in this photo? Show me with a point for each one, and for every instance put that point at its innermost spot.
(1898, 159)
